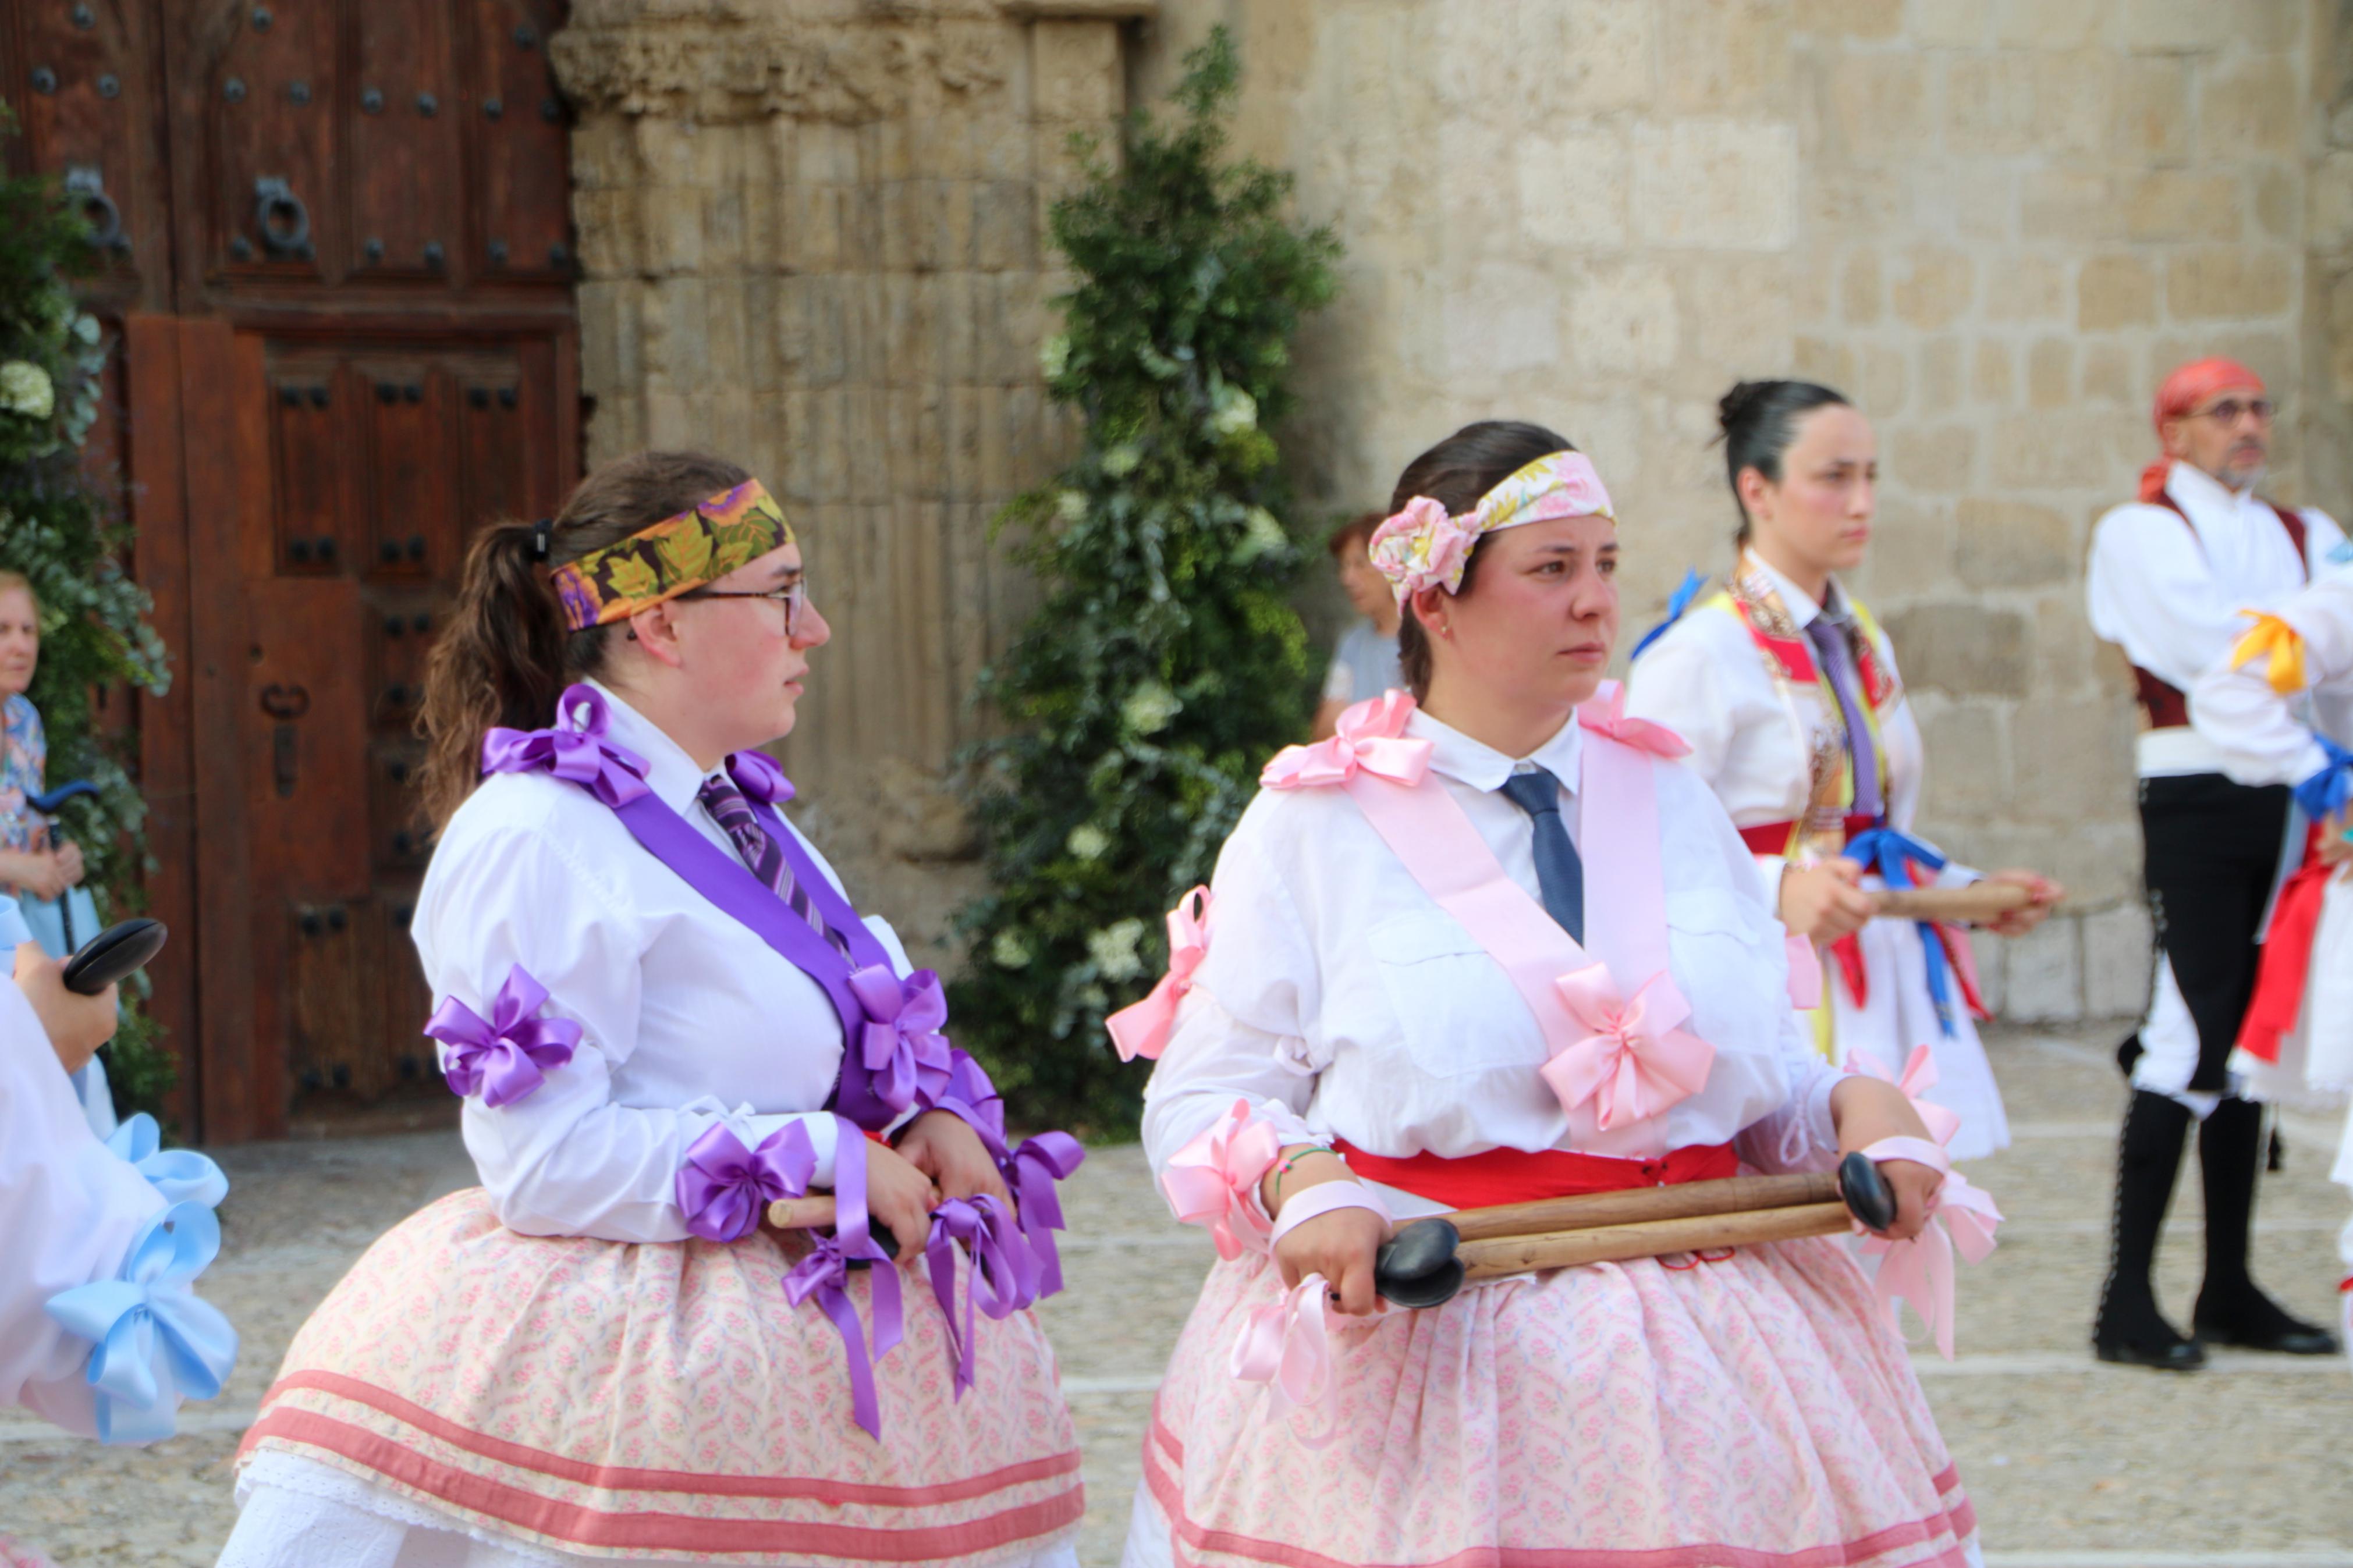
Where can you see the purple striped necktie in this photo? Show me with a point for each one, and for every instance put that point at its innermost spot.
(762, 854)
(1836, 656)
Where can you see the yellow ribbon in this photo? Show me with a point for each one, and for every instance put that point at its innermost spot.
(2274, 639)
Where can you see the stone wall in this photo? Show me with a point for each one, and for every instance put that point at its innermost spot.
(1995, 222)
(811, 238)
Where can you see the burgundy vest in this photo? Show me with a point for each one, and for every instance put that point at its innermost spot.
(2165, 704)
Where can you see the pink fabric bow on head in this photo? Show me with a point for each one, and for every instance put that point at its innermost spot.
(1638, 1060)
(1213, 1181)
(1423, 546)
(1369, 739)
(1287, 1346)
(1142, 1029)
(1605, 714)
(1919, 1077)
(1960, 1217)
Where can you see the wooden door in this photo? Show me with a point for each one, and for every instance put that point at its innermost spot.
(346, 299)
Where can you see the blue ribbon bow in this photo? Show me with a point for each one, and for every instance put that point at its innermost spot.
(2325, 793)
(1677, 603)
(155, 1343)
(1891, 855)
(182, 1175)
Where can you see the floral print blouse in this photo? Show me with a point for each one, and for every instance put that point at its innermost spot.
(24, 753)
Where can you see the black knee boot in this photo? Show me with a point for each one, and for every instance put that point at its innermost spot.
(2130, 1329)
(2231, 1309)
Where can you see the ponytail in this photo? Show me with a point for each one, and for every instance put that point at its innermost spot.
(506, 652)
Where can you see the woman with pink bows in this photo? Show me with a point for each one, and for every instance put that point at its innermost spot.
(1489, 943)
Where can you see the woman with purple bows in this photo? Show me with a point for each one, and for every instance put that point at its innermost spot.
(665, 1017)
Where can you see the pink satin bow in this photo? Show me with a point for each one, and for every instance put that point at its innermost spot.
(1369, 738)
(1142, 1030)
(1213, 1181)
(1638, 1060)
(1919, 1078)
(1605, 714)
(1287, 1346)
(1921, 1270)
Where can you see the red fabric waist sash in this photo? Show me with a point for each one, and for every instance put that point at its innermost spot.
(1517, 1176)
(1773, 837)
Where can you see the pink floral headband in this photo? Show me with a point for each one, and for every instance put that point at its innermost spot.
(1423, 544)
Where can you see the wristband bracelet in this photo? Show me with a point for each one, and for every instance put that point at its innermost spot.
(1285, 1169)
(1322, 1199)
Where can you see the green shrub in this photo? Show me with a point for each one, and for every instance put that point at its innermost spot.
(1165, 664)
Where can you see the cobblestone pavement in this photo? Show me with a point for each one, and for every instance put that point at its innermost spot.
(2072, 1465)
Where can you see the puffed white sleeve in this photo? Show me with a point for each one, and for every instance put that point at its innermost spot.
(1245, 1030)
(2149, 592)
(565, 1159)
(2261, 737)
(72, 1211)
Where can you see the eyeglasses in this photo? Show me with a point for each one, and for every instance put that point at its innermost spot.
(2227, 412)
(794, 597)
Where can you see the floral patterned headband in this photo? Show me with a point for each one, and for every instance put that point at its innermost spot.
(1423, 545)
(672, 557)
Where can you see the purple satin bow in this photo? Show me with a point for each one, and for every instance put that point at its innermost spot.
(902, 1047)
(724, 1187)
(1004, 1273)
(972, 1098)
(825, 1274)
(575, 749)
(507, 1057)
(760, 778)
(1032, 1171)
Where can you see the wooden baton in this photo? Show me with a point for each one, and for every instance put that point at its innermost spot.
(802, 1213)
(1650, 1238)
(1637, 1205)
(1978, 904)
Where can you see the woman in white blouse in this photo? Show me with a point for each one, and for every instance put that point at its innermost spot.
(646, 981)
(1351, 1045)
(1787, 692)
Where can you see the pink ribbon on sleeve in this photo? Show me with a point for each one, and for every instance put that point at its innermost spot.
(1918, 1078)
(1213, 1181)
(1960, 1217)
(1287, 1346)
(1369, 739)
(1142, 1029)
(1637, 1061)
(1605, 714)
(1805, 975)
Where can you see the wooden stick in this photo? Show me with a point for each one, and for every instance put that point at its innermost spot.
(1978, 904)
(1624, 1243)
(802, 1213)
(1641, 1205)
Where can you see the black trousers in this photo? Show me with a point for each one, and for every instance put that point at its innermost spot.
(2213, 851)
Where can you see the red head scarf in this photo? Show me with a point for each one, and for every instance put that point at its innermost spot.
(2179, 396)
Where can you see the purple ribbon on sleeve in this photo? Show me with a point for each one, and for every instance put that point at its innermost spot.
(1032, 1171)
(575, 749)
(1004, 1273)
(724, 1187)
(825, 1274)
(505, 1058)
(900, 1046)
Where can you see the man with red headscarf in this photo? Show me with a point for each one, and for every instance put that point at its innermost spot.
(2170, 576)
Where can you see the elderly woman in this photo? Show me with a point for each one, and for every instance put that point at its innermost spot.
(651, 986)
(1410, 936)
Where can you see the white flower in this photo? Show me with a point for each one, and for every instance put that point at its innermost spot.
(1232, 411)
(1070, 506)
(25, 389)
(1087, 841)
(86, 327)
(1121, 460)
(1009, 951)
(1149, 707)
(1054, 355)
(1261, 535)
(1113, 950)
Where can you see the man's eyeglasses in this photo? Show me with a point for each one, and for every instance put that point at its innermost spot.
(794, 597)
(2227, 412)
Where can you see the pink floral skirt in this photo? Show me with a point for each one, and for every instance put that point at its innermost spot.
(1754, 1413)
(667, 1401)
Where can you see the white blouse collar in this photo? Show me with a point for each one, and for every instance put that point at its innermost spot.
(1482, 767)
(2194, 489)
(670, 772)
(1795, 600)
